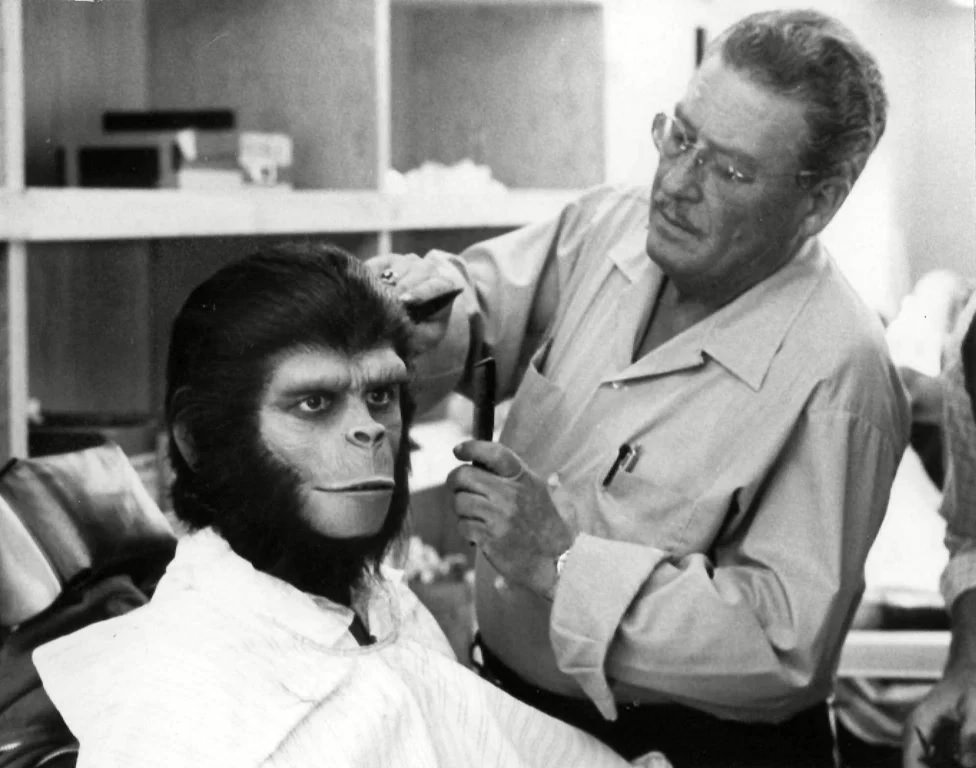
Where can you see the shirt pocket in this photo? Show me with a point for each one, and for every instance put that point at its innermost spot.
(634, 508)
(536, 414)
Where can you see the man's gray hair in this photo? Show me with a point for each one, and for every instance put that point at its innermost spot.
(812, 57)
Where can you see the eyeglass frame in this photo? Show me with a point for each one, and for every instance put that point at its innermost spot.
(804, 178)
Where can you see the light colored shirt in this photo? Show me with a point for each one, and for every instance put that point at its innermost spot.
(959, 487)
(228, 666)
(722, 570)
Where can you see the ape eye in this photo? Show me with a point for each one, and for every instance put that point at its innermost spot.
(314, 404)
(382, 397)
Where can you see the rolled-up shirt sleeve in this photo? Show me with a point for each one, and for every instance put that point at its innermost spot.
(757, 620)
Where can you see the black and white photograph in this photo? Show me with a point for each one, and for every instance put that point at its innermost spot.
(487, 383)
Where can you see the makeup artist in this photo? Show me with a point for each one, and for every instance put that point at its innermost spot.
(672, 527)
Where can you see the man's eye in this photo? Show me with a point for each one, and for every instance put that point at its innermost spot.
(728, 172)
(380, 398)
(681, 139)
(314, 404)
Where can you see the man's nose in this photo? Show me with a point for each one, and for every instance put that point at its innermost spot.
(684, 175)
(366, 434)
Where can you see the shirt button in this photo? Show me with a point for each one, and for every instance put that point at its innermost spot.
(553, 480)
(617, 385)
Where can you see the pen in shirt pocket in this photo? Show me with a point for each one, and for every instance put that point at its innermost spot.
(627, 456)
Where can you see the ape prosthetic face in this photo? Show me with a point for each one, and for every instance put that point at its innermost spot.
(335, 421)
(289, 414)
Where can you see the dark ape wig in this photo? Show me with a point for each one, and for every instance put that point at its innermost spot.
(224, 343)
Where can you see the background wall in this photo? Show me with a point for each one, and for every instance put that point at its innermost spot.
(517, 88)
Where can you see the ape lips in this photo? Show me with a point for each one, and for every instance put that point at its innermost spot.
(353, 508)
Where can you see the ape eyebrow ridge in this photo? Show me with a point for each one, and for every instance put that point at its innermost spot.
(314, 384)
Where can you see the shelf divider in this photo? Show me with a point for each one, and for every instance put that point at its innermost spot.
(13, 255)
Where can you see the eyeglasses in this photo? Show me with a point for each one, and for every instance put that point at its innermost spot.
(673, 139)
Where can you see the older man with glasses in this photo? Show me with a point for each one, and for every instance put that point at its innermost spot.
(672, 527)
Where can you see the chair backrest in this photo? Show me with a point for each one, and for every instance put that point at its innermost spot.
(64, 514)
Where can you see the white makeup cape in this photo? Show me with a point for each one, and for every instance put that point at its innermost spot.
(228, 666)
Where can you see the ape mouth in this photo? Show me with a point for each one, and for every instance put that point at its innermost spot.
(366, 485)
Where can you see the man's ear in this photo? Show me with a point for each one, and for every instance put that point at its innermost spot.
(825, 199)
(184, 443)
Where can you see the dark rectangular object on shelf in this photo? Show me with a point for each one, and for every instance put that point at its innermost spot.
(169, 120)
(119, 167)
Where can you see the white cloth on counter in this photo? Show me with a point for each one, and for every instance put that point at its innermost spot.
(228, 666)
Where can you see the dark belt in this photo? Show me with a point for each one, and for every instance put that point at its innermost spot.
(688, 737)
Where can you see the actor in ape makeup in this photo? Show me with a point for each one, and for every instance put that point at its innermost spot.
(277, 636)
(287, 399)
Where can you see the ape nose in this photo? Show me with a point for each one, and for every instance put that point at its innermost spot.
(366, 435)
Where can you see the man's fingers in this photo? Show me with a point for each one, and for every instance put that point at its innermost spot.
(468, 479)
(420, 291)
(473, 506)
(379, 263)
(494, 457)
(473, 531)
(967, 730)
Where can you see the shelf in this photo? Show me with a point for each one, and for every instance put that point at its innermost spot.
(896, 654)
(48, 214)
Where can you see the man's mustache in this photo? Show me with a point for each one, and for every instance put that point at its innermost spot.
(672, 213)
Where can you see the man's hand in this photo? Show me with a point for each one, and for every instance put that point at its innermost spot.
(941, 733)
(413, 281)
(505, 509)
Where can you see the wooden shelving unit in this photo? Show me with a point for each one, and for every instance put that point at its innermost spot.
(95, 274)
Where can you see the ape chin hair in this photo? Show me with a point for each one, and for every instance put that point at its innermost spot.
(258, 512)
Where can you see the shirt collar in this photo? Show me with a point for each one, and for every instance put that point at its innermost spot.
(205, 564)
(745, 335)
(629, 253)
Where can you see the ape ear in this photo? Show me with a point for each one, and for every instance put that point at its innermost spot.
(179, 432)
(184, 443)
